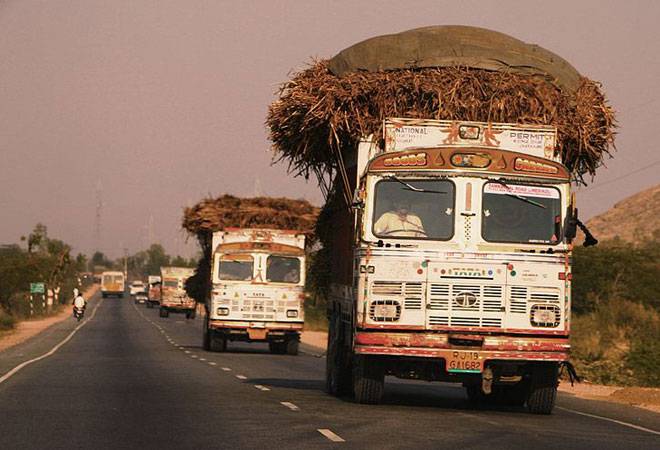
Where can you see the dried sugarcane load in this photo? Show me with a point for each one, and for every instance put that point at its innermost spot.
(252, 272)
(446, 155)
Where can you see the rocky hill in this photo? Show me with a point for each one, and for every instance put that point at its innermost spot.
(633, 219)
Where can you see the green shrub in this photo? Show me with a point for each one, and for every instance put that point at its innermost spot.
(7, 321)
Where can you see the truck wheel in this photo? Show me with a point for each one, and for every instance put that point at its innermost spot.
(292, 347)
(104, 295)
(543, 389)
(192, 314)
(217, 343)
(368, 381)
(149, 304)
(337, 371)
(164, 312)
(206, 339)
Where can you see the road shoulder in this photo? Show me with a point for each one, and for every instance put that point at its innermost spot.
(27, 329)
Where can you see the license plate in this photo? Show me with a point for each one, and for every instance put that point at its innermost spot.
(464, 361)
(257, 334)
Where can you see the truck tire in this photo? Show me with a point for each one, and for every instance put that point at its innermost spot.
(190, 314)
(217, 343)
(337, 371)
(543, 389)
(368, 381)
(292, 347)
(277, 348)
(206, 336)
(149, 304)
(164, 312)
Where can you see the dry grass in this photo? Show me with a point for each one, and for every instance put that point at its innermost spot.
(318, 113)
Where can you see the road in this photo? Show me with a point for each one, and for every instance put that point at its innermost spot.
(129, 379)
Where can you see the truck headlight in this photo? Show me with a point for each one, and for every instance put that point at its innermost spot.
(291, 313)
(385, 310)
(223, 311)
(547, 316)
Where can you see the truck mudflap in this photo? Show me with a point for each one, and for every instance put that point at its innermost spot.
(463, 353)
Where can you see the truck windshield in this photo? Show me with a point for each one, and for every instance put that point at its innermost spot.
(171, 283)
(521, 213)
(422, 209)
(283, 269)
(235, 267)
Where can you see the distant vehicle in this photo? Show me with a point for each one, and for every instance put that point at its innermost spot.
(137, 287)
(112, 283)
(140, 297)
(258, 277)
(153, 293)
(173, 296)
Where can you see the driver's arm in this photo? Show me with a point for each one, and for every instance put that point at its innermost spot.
(382, 224)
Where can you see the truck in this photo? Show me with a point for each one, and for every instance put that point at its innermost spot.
(453, 263)
(153, 290)
(257, 282)
(173, 296)
(113, 283)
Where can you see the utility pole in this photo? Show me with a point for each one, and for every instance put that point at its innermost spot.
(97, 218)
(125, 263)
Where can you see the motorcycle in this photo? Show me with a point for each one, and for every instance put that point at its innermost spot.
(78, 313)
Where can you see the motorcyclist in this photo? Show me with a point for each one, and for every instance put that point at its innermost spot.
(78, 302)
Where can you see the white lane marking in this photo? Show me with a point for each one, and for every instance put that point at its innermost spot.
(261, 388)
(625, 424)
(211, 363)
(186, 351)
(290, 405)
(226, 369)
(330, 435)
(241, 377)
(194, 356)
(202, 359)
(13, 371)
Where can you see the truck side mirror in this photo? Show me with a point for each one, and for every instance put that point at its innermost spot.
(570, 225)
(358, 202)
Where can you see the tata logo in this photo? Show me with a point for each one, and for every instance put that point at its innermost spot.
(465, 300)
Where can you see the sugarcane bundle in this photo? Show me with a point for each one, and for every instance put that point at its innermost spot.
(450, 73)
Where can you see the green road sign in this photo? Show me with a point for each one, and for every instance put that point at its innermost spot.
(37, 288)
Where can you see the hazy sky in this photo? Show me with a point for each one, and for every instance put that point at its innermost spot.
(159, 103)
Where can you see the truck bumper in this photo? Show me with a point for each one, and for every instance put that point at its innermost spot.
(434, 345)
(255, 331)
(174, 307)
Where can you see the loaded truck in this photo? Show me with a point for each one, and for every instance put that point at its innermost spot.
(112, 283)
(257, 279)
(173, 296)
(153, 292)
(453, 263)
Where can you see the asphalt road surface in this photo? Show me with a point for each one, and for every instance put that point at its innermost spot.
(129, 379)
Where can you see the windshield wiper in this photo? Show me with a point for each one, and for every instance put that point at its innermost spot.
(519, 197)
(410, 187)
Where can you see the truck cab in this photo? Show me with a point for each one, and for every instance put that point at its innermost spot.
(460, 263)
(173, 296)
(257, 279)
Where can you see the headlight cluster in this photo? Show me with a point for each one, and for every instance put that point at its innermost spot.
(291, 313)
(385, 310)
(545, 316)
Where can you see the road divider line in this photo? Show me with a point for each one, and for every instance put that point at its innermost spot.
(211, 363)
(52, 351)
(186, 351)
(619, 422)
(290, 405)
(194, 356)
(202, 359)
(330, 435)
(226, 369)
(241, 377)
(261, 388)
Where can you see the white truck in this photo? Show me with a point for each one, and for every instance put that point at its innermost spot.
(455, 263)
(153, 292)
(173, 296)
(257, 278)
(113, 283)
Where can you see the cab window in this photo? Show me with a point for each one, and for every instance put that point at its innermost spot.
(283, 269)
(236, 267)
